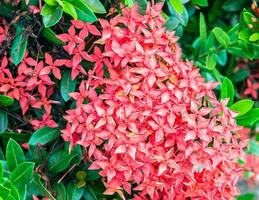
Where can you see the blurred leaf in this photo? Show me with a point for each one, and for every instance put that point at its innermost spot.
(253, 148)
(19, 45)
(22, 174)
(254, 37)
(221, 36)
(202, 3)
(60, 190)
(3, 121)
(247, 196)
(74, 193)
(203, 31)
(67, 85)
(81, 175)
(235, 5)
(44, 135)
(171, 23)
(88, 195)
(59, 161)
(69, 9)
(6, 100)
(51, 36)
(84, 13)
(227, 90)
(177, 5)
(51, 15)
(249, 118)
(242, 106)
(14, 154)
(1, 171)
(96, 6)
(211, 61)
(244, 34)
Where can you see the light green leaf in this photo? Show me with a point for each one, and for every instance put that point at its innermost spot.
(96, 6)
(254, 37)
(51, 2)
(69, 9)
(227, 90)
(14, 154)
(221, 36)
(177, 5)
(242, 106)
(52, 16)
(19, 45)
(3, 121)
(67, 85)
(211, 61)
(8, 191)
(44, 135)
(249, 118)
(22, 174)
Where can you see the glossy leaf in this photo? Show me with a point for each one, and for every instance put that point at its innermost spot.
(22, 174)
(44, 135)
(69, 9)
(14, 154)
(3, 121)
(67, 85)
(242, 106)
(19, 45)
(249, 118)
(51, 16)
(5, 100)
(227, 90)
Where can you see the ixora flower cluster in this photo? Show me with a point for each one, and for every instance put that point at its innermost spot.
(148, 120)
(156, 127)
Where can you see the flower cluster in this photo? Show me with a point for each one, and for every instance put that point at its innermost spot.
(154, 126)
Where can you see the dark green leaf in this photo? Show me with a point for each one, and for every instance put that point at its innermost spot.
(227, 90)
(240, 76)
(74, 193)
(22, 174)
(69, 9)
(19, 45)
(60, 190)
(88, 195)
(96, 6)
(51, 36)
(44, 135)
(1, 170)
(3, 121)
(5, 100)
(67, 85)
(235, 5)
(177, 5)
(51, 16)
(59, 161)
(221, 36)
(242, 106)
(14, 154)
(249, 118)
(202, 3)
(20, 137)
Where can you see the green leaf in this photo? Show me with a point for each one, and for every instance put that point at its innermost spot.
(129, 3)
(59, 161)
(20, 137)
(247, 196)
(51, 2)
(222, 57)
(8, 191)
(249, 118)
(36, 184)
(253, 148)
(240, 76)
(69, 9)
(221, 36)
(14, 154)
(202, 3)
(171, 23)
(74, 193)
(22, 174)
(203, 31)
(1, 171)
(84, 13)
(242, 106)
(6, 171)
(3, 121)
(60, 191)
(235, 5)
(23, 192)
(89, 195)
(51, 36)
(67, 85)
(211, 61)
(96, 6)
(5, 100)
(51, 15)
(227, 90)
(44, 135)
(19, 45)
(254, 37)
(177, 5)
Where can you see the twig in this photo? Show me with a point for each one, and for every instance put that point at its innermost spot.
(70, 169)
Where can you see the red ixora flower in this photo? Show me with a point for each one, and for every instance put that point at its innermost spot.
(156, 124)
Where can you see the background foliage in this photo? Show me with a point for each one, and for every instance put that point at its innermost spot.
(221, 37)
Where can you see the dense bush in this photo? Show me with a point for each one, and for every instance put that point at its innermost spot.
(128, 100)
